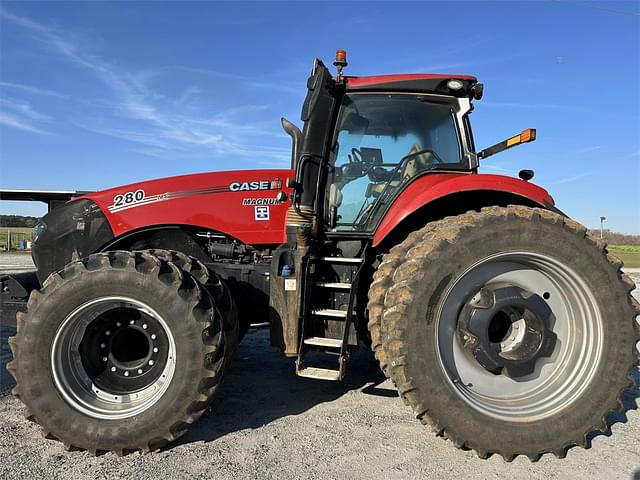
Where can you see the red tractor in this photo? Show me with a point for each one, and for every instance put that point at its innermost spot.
(505, 326)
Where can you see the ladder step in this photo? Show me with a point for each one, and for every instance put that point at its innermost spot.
(319, 373)
(327, 312)
(342, 259)
(336, 285)
(323, 342)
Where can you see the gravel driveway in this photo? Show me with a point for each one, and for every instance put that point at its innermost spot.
(267, 423)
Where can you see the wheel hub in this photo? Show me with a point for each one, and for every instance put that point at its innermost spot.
(113, 357)
(124, 351)
(506, 329)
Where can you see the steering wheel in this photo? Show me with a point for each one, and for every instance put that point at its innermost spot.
(356, 167)
(355, 156)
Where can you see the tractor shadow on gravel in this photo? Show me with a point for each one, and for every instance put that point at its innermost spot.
(629, 402)
(6, 380)
(261, 386)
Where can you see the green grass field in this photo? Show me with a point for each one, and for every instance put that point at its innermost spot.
(629, 254)
(17, 234)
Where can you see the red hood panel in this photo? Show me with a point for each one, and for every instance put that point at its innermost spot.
(238, 203)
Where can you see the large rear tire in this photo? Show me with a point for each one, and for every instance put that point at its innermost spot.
(120, 351)
(509, 331)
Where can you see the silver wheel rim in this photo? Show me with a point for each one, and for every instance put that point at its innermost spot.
(557, 380)
(75, 381)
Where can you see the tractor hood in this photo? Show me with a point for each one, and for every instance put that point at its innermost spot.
(241, 204)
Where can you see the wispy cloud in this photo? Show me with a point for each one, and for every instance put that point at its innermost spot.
(21, 115)
(492, 168)
(581, 151)
(573, 178)
(157, 120)
(14, 121)
(31, 89)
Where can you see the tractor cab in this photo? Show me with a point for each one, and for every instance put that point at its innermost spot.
(366, 138)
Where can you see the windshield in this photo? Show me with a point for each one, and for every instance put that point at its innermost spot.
(382, 142)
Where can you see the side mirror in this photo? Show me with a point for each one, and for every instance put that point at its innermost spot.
(477, 90)
(296, 135)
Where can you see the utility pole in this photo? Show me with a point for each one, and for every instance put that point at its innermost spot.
(602, 219)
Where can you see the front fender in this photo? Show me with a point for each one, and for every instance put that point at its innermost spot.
(429, 188)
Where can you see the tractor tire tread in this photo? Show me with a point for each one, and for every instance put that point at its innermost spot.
(203, 312)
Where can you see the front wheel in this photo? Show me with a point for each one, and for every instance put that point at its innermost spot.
(510, 330)
(120, 351)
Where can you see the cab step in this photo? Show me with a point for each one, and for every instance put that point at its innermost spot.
(328, 312)
(323, 342)
(342, 259)
(335, 285)
(319, 373)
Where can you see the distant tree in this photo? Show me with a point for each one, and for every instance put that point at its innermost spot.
(17, 221)
(616, 238)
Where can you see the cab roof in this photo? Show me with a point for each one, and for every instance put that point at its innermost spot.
(413, 82)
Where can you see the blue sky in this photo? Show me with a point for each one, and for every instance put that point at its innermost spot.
(93, 95)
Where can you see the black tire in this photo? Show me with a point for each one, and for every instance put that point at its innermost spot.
(191, 322)
(218, 289)
(382, 282)
(425, 271)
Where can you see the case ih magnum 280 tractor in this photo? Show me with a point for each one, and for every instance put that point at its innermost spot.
(505, 326)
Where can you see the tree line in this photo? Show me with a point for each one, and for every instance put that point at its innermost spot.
(17, 221)
(616, 238)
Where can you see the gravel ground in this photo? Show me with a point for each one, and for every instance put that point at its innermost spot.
(267, 423)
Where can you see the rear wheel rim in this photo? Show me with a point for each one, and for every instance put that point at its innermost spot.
(113, 357)
(559, 379)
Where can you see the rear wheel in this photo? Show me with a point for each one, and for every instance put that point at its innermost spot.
(120, 351)
(510, 330)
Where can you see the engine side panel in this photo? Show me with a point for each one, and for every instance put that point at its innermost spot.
(429, 188)
(238, 203)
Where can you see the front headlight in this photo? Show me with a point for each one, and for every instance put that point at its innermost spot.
(38, 230)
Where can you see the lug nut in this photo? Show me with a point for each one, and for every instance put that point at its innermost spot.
(144, 325)
(107, 333)
(139, 371)
(118, 324)
(113, 369)
(155, 349)
(126, 374)
(153, 336)
(131, 322)
(103, 345)
(104, 359)
(150, 362)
